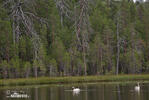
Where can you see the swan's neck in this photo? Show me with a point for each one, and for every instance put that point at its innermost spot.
(138, 85)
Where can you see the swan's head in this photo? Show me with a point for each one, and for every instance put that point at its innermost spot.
(73, 87)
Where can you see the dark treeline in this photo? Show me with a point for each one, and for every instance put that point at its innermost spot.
(73, 37)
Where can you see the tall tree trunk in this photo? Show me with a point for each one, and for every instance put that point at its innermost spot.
(84, 60)
(35, 71)
(101, 59)
(108, 2)
(133, 59)
(118, 46)
(27, 72)
(62, 19)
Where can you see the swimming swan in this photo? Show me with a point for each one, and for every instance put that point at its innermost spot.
(137, 88)
(76, 90)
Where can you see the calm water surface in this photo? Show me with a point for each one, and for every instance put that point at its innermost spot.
(91, 91)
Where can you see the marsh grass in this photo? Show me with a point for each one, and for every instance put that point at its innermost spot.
(78, 79)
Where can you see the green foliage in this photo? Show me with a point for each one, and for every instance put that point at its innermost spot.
(66, 36)
(61, 49)
(15, 63)
(5, 39)
(22, 48)
(53, 67)
(27, 65)
(4, 65)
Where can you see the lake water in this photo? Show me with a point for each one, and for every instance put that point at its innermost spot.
(89, 91)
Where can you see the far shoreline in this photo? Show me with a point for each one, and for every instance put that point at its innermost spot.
(72, 79)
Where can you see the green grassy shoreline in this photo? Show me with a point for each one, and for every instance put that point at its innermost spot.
(76, 79)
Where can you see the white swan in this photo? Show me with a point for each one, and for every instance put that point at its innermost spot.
(75, 89)
(137, 88)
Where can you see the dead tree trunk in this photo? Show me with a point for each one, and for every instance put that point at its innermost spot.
(64, 10)
(118, 44)
(81, 23)
(21, 17)
(84, 58)
(82, 27)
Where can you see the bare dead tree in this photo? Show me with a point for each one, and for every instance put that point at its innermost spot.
(83, 29)
(118, 42)
(119, 22)
(64, 9)
(22, 23)
(79, 15)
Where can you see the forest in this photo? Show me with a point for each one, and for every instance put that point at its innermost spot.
(73, 38)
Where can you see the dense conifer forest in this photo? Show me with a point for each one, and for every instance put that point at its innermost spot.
(73, 37)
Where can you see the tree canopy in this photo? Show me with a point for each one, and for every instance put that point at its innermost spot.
(73, 37)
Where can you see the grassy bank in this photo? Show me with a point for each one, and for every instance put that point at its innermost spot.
(81, 79)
